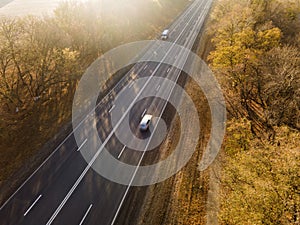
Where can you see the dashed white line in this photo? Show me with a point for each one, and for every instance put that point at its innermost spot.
(82, 145)
(131, 85)
(158, 87)
(111, 108)
(144, 113)
(27, 211)
(87, 212)
(168, 70)
(121, 151)
(145, 67)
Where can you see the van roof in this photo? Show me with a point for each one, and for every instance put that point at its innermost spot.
(146, 118)
(165, 32)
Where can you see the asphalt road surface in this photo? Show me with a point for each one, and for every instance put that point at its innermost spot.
(64, 189)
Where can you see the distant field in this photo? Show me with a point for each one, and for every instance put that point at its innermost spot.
(25, 7)
(5, 2)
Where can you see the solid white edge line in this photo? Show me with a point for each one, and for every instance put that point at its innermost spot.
(86, 213)
(82, 145)
(121, 151)
(31, 206)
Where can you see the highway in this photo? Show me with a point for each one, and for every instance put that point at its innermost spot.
(64, 189)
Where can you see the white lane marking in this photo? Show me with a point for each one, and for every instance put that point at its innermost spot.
(121, 151)
(82, 145)
(131, 85)
(87, 211)
(111, 108)
(158, 87)
(27, 211)
(144, 113)
(168, 70)
(145, 67)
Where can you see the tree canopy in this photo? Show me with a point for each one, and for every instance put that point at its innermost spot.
(257, 60)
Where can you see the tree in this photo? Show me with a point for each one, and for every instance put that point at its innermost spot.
(280, 86)
(261, 184)
(11, 81)
(33, 61)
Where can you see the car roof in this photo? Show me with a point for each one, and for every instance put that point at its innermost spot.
(146, 118)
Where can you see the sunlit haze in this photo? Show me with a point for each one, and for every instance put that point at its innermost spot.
(45, 7)
(33, 7)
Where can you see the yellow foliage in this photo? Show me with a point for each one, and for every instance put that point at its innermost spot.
(269, 39)
(260, 185)
(238, 136)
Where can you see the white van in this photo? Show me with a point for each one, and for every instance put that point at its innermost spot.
(145, 122)
(164, 34)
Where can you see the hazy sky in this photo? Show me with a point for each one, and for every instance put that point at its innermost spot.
(25, 7)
